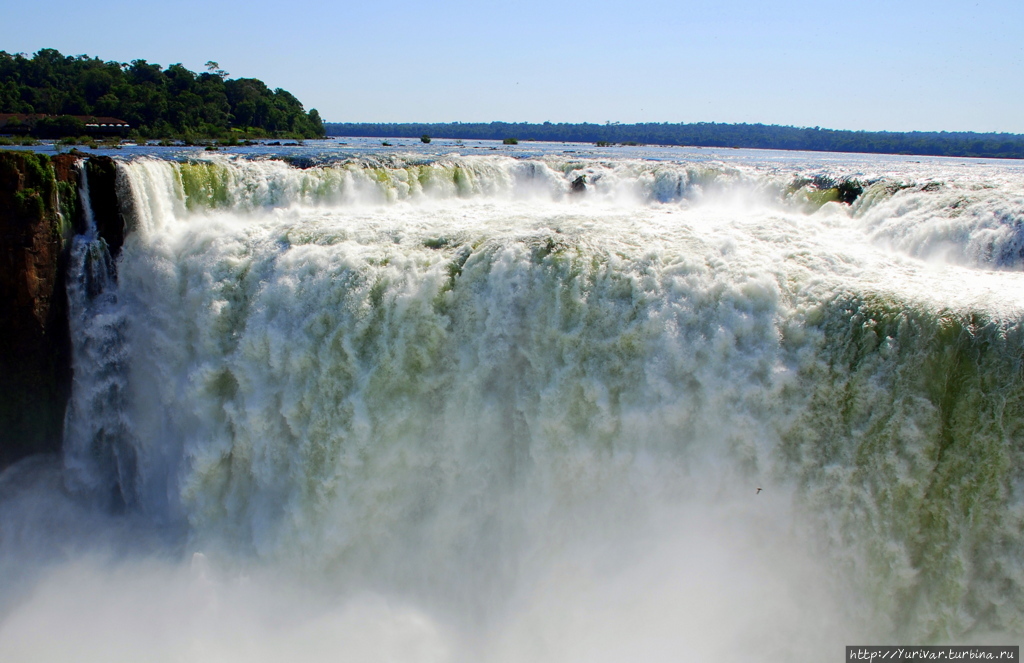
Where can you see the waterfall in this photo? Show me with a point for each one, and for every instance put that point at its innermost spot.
(467, 409)
(98, 447)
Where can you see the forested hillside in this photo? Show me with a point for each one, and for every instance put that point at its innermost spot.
(157, 102)
(709, 134)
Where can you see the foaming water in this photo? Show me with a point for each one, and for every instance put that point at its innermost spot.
(505, 410)
(971, 216)
(972, 223)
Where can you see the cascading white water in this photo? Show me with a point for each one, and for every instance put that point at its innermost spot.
(965, 220)
(98, 446)
(462, 410)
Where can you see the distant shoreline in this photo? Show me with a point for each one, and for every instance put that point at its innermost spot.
(740, 136)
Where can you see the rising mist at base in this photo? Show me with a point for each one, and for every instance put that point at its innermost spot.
(457, 410)
(708, 581)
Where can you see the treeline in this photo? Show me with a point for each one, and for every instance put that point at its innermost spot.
(709, 134)
(156, 102)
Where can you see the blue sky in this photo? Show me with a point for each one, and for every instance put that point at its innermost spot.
(903, 65)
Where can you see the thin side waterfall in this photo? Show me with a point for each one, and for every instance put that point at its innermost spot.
(99, 457)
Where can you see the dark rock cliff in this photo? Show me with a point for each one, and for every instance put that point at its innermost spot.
(106, 208)
(38, 204)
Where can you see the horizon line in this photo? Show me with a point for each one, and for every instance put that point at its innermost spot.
(705, 122)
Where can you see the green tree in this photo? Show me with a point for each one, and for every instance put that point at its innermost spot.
(157, 102)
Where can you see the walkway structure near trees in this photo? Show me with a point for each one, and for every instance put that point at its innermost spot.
(27, 123)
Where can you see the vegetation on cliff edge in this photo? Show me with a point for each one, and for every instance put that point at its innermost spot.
(37, 207)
